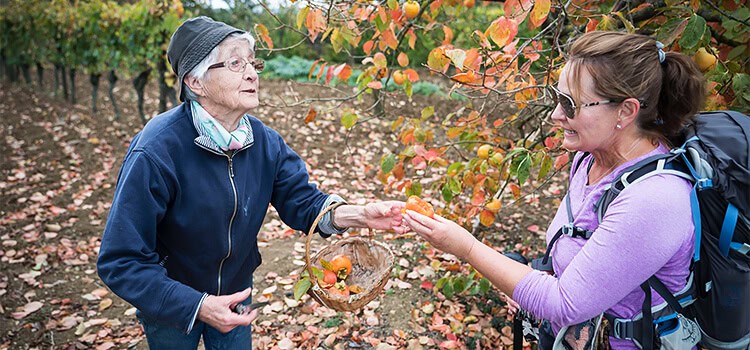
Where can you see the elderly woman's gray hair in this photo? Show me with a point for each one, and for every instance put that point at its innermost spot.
(200, 71)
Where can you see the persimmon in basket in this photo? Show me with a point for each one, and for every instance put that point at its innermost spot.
(420, 206)
(335, 273)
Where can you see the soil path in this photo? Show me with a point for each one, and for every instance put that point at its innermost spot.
(58, 167)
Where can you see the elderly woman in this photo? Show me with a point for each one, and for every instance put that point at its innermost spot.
(180, 242)
(619, 99)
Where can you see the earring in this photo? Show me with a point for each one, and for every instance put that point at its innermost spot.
(619, 126)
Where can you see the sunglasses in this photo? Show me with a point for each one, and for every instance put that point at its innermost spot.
(567, 103)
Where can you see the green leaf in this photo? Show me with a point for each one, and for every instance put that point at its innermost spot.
(392, 4)
(428, 112)
(301, 287)
(741, 82)
(521, 167)
(414, 189)
(318, 272)
(671, 30)
(326, 265)
(387, 163)
(409, 152)
(349, 119)
(693, 33)
(628, 25)
(441, 282)
(448, 290)
(545, 167)
(382, 26)
(455, 168)
(459, 284)
(447, 194)
(484, 285)
(454, 185)
(408, 89)
(736, 52)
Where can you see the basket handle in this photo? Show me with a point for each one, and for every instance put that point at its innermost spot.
(310, 235)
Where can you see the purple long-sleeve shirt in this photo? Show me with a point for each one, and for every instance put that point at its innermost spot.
(647, 230)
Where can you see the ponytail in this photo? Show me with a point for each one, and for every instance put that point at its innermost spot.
(682, 94)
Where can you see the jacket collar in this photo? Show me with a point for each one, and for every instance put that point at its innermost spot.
(204, 140)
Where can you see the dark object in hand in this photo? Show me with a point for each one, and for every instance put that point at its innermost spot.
(245, 309)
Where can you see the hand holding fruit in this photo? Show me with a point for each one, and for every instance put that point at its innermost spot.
(384, 216)
(443, 234)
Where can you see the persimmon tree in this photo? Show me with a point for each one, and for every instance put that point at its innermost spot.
(500, 59)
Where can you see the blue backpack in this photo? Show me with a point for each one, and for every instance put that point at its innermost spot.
(715, 156)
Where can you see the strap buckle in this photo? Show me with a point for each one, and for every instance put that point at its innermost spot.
(704, 183)
(622, 329)
(568, 230)
(576, 232)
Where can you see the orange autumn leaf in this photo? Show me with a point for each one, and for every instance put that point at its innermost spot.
(403, 59)
(343, 71)
(412, 75)
(539, 13)
(315, 23)
(437, 60)
(375, 85)
(486, 217)
(389, 38)
(502, 31)
(466, 78)
(263, 34)
(367, 47)
(448, 35)
(311, 115)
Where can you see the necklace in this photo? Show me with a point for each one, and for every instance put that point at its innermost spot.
(616, 164)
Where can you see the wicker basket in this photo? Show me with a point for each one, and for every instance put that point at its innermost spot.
(372, 262)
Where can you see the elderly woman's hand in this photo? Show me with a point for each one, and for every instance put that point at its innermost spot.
(217, 311)
(442, 233)
(385, 216)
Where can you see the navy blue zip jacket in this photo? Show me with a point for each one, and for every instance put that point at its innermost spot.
(185, 217)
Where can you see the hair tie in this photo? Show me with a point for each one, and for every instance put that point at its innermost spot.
(662, 55)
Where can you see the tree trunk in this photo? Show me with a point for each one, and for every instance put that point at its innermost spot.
(73, 99)
(2, 65)
(12, 73)
(94, 79)
(379, 108)
(112, 82)
(26, 70)
(64, 81)
(40, 75)
(56, 87)
(140, 84)
(161, 69)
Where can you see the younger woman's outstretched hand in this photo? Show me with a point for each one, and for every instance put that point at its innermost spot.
(442, 233)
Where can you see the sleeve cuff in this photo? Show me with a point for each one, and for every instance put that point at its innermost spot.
(195, 315)
(326, 223)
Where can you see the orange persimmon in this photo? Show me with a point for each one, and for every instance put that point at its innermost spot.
(341, 265)
(420, 206)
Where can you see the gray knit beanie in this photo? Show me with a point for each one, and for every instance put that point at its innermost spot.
(192, 42)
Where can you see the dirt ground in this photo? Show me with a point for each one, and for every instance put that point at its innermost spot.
(58, 168)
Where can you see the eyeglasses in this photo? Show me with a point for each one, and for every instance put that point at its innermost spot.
(236, 64)
(567, 103)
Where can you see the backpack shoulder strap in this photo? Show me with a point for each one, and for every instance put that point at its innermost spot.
(653, 165)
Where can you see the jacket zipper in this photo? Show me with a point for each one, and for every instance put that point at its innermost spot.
(229, 156)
